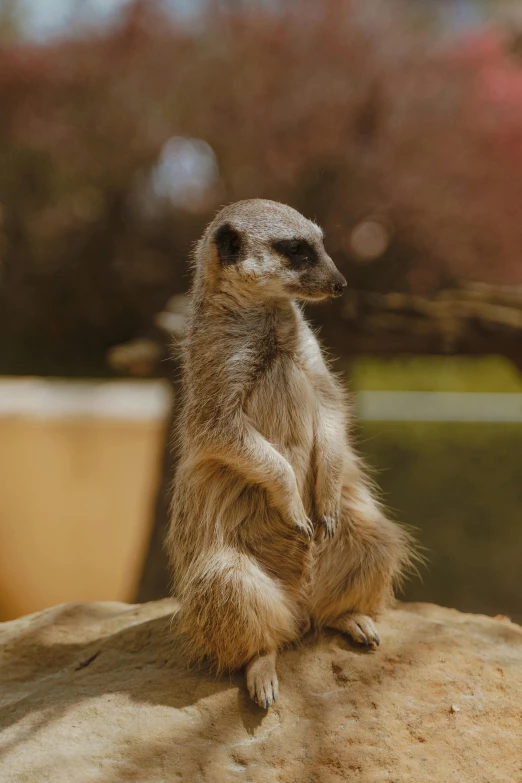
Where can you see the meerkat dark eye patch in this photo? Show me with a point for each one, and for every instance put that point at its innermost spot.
(298, 252)
(228, 243)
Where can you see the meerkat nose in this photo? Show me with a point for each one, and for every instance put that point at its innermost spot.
(339, 286)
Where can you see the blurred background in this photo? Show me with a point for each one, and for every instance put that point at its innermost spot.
(124, 126)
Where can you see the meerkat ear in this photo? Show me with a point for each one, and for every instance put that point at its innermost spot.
(228, 244)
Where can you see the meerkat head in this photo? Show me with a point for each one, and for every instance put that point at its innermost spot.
(268, 250)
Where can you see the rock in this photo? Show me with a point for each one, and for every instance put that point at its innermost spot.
(98, 692)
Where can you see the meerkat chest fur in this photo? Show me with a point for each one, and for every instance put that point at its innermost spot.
(282, 401)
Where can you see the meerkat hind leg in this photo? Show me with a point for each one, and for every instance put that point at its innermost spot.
(358, 627)
(261, 679)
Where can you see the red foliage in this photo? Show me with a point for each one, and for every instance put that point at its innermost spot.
(339, 108)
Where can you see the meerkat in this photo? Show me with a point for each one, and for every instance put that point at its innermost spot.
(274, 525)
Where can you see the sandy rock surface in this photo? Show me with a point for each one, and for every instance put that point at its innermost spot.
(98, 692)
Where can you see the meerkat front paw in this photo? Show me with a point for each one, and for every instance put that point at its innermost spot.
(329, 523)
(328, 516)
(304, 527)
(261, 678)
(300, 521)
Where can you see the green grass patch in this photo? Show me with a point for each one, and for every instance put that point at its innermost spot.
(460, 484)
(438, 373)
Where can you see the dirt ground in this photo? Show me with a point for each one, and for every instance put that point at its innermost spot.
(98, 692)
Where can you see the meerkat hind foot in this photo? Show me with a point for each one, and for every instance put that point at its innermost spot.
(359, 628)
(262, 680)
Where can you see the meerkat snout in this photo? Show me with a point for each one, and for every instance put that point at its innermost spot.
(339, 286)
(318, 277)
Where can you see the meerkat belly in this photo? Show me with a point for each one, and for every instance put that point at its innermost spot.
(283, 409)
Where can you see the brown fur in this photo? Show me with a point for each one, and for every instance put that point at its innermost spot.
(265, 458)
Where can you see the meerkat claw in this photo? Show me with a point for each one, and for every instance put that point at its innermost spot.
(329, 526)
(262, 680)
(360, 629)
(304, 529)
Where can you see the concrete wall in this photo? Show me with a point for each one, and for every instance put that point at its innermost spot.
(78, 471)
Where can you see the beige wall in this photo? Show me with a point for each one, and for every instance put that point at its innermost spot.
(77, 485)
